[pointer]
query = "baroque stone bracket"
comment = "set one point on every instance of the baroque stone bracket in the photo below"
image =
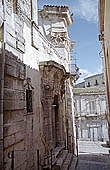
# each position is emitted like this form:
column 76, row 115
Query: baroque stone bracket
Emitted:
column 53, row 79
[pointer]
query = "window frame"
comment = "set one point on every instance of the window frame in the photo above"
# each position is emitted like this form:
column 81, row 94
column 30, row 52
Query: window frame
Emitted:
column 28, row 87
column 29, row 100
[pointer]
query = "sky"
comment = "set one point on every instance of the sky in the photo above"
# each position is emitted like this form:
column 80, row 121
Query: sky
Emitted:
column 84, row 31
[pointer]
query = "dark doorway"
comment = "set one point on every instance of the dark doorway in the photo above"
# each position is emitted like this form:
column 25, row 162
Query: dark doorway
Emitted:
column 55, row 120
column 67, row 134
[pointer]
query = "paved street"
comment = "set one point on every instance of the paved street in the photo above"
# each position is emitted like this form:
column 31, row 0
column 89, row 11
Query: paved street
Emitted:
column 92, row 156
column 92, row 147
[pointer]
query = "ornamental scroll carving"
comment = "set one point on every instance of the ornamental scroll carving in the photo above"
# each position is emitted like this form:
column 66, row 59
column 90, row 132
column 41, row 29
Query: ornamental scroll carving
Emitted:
column 60, row 39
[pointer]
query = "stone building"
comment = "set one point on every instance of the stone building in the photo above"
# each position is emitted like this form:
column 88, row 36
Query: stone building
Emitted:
column 90, row 109
column 36, row 82
column 96, row 80
column 104, row 37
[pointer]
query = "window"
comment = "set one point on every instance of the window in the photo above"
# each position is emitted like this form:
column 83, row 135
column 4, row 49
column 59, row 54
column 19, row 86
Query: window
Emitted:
column 29, row 95
column 88, row 85
column 96, row 82
column 29, row 107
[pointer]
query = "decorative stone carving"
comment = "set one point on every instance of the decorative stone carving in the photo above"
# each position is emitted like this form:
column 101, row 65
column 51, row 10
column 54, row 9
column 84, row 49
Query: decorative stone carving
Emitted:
column 1, row 14
column 51, row 82
column 62, row 91
column 24, row 8
column 52, row 86
column 9, row 7
column 59, row 39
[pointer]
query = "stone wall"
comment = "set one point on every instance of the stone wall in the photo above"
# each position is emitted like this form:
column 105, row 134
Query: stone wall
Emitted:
column 14, row 109
column 27, row 130
column 35, row 139
column 23, row 131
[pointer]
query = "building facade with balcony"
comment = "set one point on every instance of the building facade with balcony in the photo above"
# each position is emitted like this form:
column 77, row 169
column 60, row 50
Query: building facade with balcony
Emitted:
column 96, row 80
column 90, row 109
column 36, row 82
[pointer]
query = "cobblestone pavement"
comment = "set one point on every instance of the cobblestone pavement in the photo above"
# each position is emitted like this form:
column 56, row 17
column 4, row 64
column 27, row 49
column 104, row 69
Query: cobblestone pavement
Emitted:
column 92, row 156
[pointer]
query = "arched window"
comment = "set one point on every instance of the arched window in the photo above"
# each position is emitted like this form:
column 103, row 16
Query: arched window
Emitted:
column 29, row 95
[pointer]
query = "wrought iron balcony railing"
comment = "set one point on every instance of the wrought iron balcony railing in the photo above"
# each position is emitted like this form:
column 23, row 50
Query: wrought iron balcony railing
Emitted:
column 74, row 69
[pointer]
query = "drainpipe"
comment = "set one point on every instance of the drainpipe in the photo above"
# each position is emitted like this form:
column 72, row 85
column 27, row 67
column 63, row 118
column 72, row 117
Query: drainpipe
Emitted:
column 2, row 83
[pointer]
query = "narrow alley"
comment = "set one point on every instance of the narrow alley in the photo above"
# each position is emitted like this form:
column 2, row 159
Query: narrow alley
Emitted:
column 54, row 85
column 93, row 156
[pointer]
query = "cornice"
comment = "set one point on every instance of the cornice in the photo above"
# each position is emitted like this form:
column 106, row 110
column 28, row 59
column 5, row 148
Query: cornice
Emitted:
column 89, row 91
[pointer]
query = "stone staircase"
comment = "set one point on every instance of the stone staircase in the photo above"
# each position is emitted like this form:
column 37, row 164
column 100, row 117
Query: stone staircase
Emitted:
column 61, row 160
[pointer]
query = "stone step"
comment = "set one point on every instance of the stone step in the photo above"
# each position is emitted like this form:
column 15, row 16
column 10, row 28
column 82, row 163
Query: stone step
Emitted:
column 55, row 154
column 67, row 162
column 60, row 160
column 57, row 151
column 74, row 163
